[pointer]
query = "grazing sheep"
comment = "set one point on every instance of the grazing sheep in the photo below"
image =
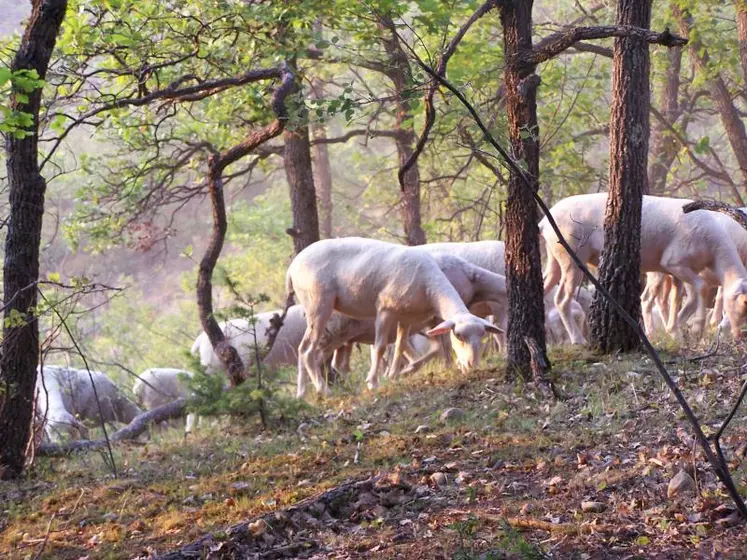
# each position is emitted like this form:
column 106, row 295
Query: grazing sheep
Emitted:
column 65, row 395
column 364, row 278
column 159, row 386
column 679, row 244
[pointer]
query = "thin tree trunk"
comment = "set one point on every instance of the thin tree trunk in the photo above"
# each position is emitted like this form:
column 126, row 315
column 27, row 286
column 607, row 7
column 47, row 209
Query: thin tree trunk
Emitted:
column 399, row 72
column 730, row 119
column 300, row 175
column 216, row 165
column 742, row 34
column 620, row 263
column 322, row 169
column 526, row 317
column 20, row 349
column 664, row 146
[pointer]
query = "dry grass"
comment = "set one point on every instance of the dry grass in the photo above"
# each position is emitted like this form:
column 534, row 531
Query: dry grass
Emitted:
column 618, row 439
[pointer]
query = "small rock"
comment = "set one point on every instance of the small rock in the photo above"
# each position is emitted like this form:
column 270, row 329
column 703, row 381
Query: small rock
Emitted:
column 593, row 507
column 439, row 479
column 422, row 429
column 680, row 484
column 452, row 414
column 303, row 426
column 257, row 528
column 111, row 516
column 240, row 487
column 384, row 433
column 526, row 509
column 462, row 477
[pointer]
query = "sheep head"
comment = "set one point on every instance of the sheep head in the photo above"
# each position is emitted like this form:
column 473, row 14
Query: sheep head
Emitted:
column 735, row 306
column 466, row 332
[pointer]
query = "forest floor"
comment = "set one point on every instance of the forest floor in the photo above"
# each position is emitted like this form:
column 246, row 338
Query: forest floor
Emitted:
column 507, row 475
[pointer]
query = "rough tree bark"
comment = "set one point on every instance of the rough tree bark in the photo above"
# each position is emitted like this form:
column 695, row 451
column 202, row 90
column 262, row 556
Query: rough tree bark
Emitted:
column 728, row 112
column 664, row 146
column 216, row 165
column 20, row 349
column 400, row 74
column 526, row 317
column 620, row 263
column 742, row 35
column 322, row 168
column 298, row 171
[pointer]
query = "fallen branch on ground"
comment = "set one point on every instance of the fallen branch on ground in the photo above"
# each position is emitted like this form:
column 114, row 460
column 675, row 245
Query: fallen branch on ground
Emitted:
column 139, row 424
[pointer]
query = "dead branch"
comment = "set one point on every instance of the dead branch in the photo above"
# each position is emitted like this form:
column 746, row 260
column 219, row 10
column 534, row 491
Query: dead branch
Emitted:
column 714, row 206
column 139, row 424
column 556, row 43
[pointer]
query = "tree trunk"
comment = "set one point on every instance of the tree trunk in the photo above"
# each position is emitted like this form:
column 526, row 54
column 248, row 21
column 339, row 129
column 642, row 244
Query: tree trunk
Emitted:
column 742, row 34
column 664, row 146
column 20, row 348
column 300, row 175
column 730, row 119
column 322, row 169
column 526, row 317
column 399, row 72
column 620, row 263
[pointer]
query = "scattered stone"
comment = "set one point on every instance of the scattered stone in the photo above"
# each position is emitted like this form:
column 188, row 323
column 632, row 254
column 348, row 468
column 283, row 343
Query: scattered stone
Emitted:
column 384, row 433
column 526, row 509
column 680, row 484
column 439, row 479
column 257, row 528
column 240, row 487
column 462, row 477
column 303, row 427
column 593, row 507
column 422, row 429
column 452, row 414
column 111, row 516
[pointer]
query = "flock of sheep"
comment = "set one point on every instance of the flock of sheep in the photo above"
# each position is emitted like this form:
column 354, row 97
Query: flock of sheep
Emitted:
column 356, row 290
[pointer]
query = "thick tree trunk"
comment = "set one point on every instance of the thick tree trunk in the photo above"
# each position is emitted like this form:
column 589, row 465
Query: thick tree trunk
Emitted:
column 300, row 175
column 730, row 119
column 526, row 317
column 322, row 169
column 664, row 146
column 619, row 270
column 20, row 348
column 399, row 72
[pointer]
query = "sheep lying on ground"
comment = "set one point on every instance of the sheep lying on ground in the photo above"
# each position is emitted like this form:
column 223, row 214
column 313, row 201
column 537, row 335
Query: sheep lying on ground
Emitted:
column 65, row 396
column 159, row 386
column 398, row 286
column 673, row 242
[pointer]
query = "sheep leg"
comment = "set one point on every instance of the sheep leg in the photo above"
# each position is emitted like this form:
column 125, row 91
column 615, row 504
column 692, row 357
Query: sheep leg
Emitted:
column 718, row 308
column 647, row 303
column 384, row 325
column 552, row 274
column 569, row 282
column 310, row 351
column 403, row 333
column 341, row 358
column 693, row 285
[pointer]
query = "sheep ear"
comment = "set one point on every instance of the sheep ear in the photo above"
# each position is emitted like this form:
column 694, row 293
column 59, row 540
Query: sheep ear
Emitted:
column 441, row 328
column 490, row 327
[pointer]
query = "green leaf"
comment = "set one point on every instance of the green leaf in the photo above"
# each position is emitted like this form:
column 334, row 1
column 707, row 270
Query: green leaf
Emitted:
column 54, row 277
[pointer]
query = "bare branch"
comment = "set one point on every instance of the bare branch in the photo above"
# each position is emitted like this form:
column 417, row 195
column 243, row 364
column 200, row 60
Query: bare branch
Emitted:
column 556, row 43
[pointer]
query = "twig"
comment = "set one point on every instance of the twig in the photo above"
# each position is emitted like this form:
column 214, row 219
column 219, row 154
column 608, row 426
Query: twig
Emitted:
column 46, row 537
column 719, row 465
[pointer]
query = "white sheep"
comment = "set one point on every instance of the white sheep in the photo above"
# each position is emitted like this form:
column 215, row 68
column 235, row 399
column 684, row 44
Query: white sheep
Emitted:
column 364, row 278
column 159, row 386
column 673, row 242
column 65, row 396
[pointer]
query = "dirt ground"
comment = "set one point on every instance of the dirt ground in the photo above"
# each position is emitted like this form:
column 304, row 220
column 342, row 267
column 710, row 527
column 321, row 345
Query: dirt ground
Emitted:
column 435, row 466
